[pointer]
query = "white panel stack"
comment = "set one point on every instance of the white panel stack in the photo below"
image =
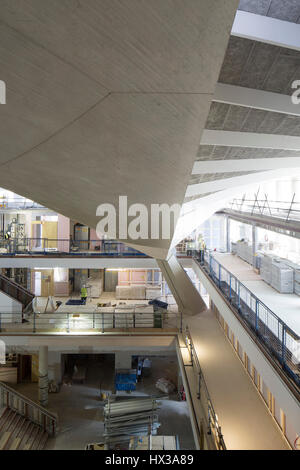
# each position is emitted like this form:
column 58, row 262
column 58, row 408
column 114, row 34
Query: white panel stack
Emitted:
column 297, row 281
column 244, row 251
column 234, row 248
column 123, row 317
column 144, row 316
column 266, row 268
column 153, row 292
column 282, row 278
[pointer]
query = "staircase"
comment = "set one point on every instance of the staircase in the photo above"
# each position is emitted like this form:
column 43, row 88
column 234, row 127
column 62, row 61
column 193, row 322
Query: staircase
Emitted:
column 19, row 433
column 17, row 292
column 24, row 424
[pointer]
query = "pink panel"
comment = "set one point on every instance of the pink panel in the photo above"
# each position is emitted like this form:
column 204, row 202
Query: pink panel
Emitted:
column 123, row 277
column 63, row 233
column 138, row 277
column 93, row 236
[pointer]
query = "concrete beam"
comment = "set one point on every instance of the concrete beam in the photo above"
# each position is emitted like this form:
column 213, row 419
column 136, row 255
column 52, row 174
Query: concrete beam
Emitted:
column 250, row 139
column 237, row 182
column 32, row 262
column 251, row 164
column 258, row 99
column 266, row 29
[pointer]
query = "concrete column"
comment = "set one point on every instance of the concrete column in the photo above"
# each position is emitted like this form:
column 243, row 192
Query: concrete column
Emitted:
column 227, row 226
column 123, row 360
column 54, row 367
column 43, row 375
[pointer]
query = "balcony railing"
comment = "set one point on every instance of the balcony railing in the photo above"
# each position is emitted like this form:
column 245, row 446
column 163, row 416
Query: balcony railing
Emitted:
column 96, row 322
column 66, row 247
column 280, row 340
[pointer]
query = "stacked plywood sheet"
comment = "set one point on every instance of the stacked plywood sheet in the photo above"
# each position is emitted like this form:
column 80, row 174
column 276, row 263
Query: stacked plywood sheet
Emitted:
column 135, row 417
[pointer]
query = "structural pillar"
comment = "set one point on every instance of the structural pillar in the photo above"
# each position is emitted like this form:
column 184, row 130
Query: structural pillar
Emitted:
column 43, row 375
column 123, row 360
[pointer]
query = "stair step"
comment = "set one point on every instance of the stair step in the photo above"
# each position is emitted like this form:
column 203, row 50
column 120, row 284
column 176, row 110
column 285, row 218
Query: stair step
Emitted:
column 30, row 442
column 4, row 440
column 43, row 441
column 27, row 433
column 3, row 417
column 16, row 444
column 19, row 433
column 37, row 440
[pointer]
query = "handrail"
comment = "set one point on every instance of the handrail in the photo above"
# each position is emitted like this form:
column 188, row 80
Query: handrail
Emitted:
column 15, row 290
column 11, row 282
column 66, row 246
column 91, row 320
column 272, row 332
column 50, row 427
column 212, row 416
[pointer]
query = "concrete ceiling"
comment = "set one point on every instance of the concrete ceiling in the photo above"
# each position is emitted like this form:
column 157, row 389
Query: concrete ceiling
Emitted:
column 107, row 98
column 252, row 132
column 287, row 10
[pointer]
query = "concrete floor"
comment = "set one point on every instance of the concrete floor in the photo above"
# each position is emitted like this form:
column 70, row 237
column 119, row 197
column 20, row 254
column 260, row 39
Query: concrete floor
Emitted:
column 80, row 410
column 245, row 421
column 285, row 306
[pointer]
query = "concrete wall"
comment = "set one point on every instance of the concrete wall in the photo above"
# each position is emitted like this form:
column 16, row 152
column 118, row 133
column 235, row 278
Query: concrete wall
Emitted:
column 186, row 295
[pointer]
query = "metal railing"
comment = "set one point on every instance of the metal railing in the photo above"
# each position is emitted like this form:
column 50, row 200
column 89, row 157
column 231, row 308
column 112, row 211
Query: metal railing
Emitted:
column 18, row 203
column 16, row 291
column 32, row 411
column 98, row 322
column 287, row 210
column 280, row 340
column 66, row 247
column 214, row 427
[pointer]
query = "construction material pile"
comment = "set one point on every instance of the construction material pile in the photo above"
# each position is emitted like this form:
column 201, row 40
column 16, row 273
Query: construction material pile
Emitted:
column 130, row 417
column 165, row 385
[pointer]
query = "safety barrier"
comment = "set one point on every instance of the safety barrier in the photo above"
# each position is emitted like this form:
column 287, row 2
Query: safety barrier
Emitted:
column 280, row 340
column 66, row 247
column 99, row 322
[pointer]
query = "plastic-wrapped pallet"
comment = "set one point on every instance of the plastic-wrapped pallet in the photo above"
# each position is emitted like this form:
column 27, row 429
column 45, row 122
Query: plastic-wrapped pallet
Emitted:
column 124, row 317
column 108, row 320
column 130, row 292
column 123, row 292
column 282, row 278
column 266, row 268
column 297, row 288
column 233, row 248
column 153, row 292
column 138, row 292
column 144, row 316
